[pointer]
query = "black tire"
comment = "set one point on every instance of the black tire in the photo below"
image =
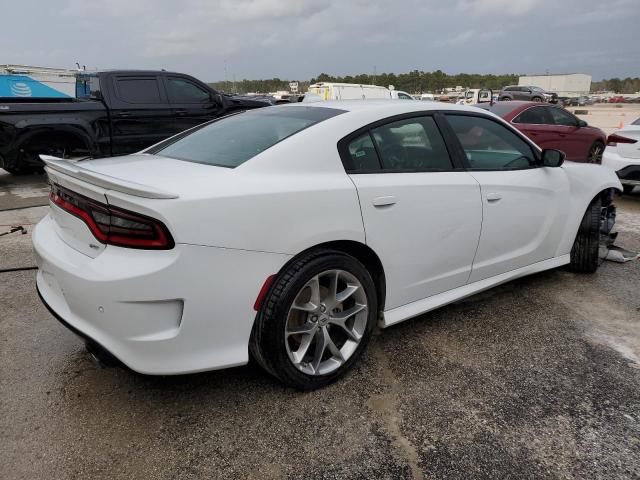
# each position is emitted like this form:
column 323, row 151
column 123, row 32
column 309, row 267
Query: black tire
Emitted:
column 505, row 99
column 627, row 189
column 595, row 153
column 19, row 170
column 267, row 342
column 537, row 99
column 584, row 253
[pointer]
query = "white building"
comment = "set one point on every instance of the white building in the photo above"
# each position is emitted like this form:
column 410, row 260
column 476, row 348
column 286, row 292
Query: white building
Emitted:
column 568, row 85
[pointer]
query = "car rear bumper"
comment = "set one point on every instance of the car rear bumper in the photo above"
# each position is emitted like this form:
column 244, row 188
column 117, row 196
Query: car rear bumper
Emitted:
column 627, row 169
column 176, row 311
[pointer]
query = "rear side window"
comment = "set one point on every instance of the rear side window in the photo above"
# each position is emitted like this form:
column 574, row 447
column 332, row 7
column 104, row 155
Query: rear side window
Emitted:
column 231, row 141
column 181, row 90
column 489, row 145
column 534, row 115
column 561, row 117
column 413, row 144
column 363, row 154
column 138, row 89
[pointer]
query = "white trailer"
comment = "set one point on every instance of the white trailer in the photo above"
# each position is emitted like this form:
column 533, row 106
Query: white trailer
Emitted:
column 345, row 91
column 569, row 85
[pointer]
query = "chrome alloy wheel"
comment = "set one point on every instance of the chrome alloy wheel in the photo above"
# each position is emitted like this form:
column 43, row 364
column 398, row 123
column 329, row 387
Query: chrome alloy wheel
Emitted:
column 326, row 322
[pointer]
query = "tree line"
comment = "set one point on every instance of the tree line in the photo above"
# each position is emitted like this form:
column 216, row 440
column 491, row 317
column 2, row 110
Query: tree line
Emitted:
column 618, row 85
column 415, row 81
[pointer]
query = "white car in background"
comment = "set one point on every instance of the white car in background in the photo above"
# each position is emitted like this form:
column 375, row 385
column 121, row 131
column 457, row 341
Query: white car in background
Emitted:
column 622, row 155
column 290, row 231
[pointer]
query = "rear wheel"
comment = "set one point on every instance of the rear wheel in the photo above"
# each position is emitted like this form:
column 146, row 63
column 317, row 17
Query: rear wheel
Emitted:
column 316, row 321
column 505, row 99
column 595, row 153
column 627, row 189
column 584, row 254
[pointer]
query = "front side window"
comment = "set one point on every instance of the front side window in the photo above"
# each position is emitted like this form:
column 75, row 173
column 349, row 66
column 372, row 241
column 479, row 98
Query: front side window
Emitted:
column 138, row 89
column 404, row 96
column 413, row 144
column 561, row 117
column 184, row 91
column 534, row 115
column 231, row 141
column 489, row 145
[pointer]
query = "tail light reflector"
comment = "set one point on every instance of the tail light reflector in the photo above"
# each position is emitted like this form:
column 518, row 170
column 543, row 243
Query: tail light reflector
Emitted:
column 614, row 139
column 112, row 225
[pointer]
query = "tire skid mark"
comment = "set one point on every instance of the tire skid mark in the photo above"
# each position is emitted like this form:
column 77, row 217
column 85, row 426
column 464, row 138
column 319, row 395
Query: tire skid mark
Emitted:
column 385, row 404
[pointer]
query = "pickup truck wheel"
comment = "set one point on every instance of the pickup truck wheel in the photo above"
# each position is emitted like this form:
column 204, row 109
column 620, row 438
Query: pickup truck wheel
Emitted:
column 584, row 254
column 19, row 170
column 627, row 189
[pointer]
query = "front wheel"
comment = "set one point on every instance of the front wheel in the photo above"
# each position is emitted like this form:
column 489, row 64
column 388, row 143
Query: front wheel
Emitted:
column 316, row 321
column 627, row 189
column 537, row 99
column 584, row 253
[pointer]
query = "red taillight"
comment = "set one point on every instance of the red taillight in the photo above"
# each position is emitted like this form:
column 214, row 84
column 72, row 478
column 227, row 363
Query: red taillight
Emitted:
column 614, row 139
column 263, row 292
column 112, row 225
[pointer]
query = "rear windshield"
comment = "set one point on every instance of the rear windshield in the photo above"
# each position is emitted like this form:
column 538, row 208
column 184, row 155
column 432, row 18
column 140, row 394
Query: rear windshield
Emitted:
column 233, row 140
column 499, row 108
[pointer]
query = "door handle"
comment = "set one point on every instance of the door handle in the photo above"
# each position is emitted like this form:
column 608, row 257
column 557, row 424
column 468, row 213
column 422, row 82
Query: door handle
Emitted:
column 384, row 201
column 124, row 114
column 493, row 197
column 180, row 112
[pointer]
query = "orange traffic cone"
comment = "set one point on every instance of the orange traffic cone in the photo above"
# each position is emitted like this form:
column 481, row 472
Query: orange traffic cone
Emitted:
column 621, row 125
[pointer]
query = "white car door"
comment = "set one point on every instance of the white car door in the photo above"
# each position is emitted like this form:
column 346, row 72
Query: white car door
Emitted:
column 524, row 205
column 421, row 215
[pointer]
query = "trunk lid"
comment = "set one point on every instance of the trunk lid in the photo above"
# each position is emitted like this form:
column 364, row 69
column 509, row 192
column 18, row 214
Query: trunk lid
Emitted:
column 141, row 183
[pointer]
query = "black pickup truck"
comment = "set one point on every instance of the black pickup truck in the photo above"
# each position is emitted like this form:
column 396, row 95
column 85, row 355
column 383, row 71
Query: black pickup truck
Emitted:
column 116, row 112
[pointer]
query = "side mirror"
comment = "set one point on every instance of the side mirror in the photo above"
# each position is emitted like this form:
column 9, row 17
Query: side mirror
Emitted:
column 217, row 99
column 582, row 123
column 552, row 158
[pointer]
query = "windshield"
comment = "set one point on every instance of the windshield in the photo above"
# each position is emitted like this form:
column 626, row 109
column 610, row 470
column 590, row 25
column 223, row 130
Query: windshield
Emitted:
column 231, row 141
column 537, row 89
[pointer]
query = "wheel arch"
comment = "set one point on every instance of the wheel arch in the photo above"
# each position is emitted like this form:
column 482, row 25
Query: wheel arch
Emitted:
column 358, row 250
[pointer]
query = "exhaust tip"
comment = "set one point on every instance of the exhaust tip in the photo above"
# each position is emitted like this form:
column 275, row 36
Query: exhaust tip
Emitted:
column 100, row 356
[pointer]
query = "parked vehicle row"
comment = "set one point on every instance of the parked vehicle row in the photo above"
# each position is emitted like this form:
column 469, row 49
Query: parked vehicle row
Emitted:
column 116, row 112
column 367, row 211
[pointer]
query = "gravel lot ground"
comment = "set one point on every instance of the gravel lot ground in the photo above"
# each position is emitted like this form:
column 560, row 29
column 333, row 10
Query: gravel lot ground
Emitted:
column 539, row 378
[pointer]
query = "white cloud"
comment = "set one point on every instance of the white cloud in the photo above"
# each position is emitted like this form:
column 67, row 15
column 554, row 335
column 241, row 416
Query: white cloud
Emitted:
column 468, row 36
column 493, row 7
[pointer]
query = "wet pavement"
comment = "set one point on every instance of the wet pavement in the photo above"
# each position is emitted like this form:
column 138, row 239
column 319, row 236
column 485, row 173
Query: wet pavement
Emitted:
column 538, row 378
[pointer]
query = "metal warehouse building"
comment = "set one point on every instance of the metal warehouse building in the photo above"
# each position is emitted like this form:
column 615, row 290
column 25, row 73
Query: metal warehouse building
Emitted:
column 566, row 84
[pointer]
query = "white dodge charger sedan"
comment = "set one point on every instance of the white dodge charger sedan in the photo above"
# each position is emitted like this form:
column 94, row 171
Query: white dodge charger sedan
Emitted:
column 289, row 231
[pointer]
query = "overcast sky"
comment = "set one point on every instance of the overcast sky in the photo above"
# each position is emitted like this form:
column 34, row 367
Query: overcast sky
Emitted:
column 296, row 39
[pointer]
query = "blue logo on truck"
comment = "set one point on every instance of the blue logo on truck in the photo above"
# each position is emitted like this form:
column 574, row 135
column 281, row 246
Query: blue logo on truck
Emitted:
column 25, row 86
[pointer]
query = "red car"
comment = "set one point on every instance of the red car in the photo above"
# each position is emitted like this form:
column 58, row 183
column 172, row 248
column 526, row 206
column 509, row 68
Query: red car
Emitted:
column 551, row 126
